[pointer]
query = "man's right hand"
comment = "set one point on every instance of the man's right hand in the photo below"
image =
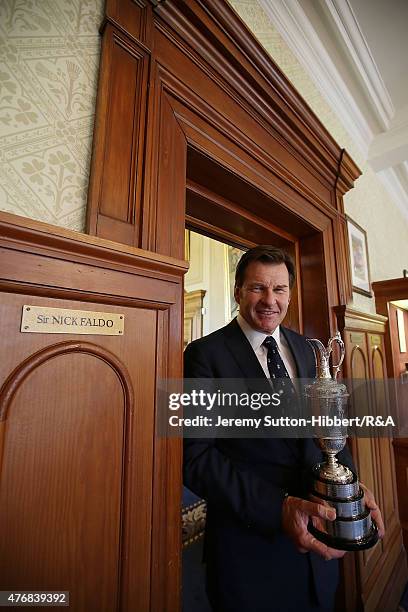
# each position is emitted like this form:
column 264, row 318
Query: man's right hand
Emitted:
column 296, row 513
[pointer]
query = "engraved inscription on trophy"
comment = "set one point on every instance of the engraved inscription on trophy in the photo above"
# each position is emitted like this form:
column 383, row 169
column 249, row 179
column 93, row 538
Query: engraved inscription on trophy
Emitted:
column 333, row 483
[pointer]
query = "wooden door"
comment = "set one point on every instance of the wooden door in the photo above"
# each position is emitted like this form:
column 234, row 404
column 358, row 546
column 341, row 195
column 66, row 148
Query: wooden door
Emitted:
column 378, row 577
column 80, row 461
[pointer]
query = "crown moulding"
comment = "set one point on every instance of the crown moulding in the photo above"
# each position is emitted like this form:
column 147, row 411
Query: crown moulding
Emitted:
column 220, row 40
column 348, row 173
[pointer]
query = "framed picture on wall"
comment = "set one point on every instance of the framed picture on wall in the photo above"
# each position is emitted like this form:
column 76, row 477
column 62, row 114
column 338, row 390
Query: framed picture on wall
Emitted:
column 360, row 272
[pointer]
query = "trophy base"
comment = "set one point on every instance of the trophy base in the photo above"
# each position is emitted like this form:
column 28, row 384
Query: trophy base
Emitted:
column 363, row 543
column 353, row 529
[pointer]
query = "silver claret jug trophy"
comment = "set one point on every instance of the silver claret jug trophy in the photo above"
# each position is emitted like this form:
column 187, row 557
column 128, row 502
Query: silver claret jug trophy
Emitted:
column 334, row 483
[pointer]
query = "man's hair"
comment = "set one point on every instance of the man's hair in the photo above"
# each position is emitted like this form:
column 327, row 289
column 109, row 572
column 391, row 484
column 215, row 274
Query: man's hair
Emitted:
column 265, row 254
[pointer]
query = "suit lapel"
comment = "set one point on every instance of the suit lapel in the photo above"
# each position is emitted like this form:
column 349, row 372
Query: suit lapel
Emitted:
column 242, row 351
column 300, row 353
column 246, row 359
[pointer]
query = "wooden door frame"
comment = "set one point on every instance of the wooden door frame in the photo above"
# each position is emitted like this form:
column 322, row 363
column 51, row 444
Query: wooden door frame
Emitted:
column 191, row 109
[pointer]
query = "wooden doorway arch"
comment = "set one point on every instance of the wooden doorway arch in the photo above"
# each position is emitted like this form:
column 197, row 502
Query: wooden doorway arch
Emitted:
column 195, row 123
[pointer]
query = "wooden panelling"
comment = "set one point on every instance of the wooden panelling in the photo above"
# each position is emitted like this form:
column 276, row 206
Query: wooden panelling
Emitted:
column 65, row 444
column 365, row 359
column 171, row 185
column 76, row 425
column 217, row 41
column 230, row 143
column 385, row 292
column 218, row 109
column 116, row 178
column 192, row 115
column 392, row 289
column 207, row 205
column 314, row 288
column 80, row 461
column 251, row 164
column 252, row 188
column 133, row 16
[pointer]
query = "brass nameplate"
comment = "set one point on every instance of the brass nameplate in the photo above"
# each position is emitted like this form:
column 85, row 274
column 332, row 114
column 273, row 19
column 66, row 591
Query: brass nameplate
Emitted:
column 357, row 338
column 44, row 320
column 375, row 340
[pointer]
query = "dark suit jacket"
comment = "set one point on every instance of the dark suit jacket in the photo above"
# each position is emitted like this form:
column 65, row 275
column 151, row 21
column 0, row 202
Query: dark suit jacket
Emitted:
column 251, row 564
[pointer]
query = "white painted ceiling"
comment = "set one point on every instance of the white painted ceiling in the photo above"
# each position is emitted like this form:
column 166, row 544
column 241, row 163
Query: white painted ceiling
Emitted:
column 384, row 25
column 356, row 51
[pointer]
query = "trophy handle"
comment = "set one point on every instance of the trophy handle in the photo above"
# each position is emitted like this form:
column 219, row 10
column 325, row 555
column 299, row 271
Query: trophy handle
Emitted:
column 336, row 338
column 321, row 357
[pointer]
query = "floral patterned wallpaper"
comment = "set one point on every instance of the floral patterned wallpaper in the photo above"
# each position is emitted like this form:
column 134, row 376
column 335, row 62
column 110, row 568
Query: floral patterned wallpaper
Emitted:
column 49, row 59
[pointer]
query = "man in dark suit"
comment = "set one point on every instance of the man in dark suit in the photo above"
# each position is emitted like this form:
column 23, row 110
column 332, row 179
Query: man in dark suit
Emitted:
column 260, row 556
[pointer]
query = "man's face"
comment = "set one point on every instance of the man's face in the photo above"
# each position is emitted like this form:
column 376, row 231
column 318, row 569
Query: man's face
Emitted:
column 264, row 295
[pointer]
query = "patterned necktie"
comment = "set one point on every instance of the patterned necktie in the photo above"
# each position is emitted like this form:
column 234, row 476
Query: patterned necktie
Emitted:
column 284, row 385
column 276, row 367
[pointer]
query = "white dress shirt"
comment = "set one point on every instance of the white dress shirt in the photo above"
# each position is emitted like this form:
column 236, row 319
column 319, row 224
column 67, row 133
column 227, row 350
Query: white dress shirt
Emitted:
column 256, row 338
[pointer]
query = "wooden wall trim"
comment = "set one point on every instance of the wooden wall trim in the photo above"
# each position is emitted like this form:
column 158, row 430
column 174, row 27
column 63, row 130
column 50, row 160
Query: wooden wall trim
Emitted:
column 42, row 238
column 209, row 197
column 170, row 185
column 218, row 36
column 342, row 255
column 397, row 358
column 166, row 530
column 200, row 122
column 114, row 198
column 209, row 86
column 132, row 18
column 393, row 289
column 347, row 173
column 53, row 278
column 359, row 320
